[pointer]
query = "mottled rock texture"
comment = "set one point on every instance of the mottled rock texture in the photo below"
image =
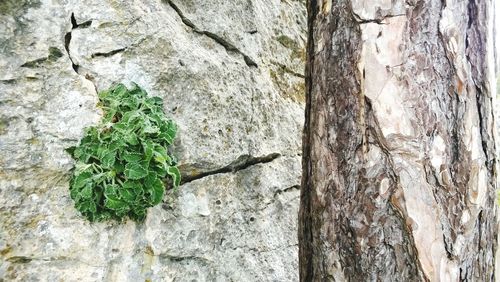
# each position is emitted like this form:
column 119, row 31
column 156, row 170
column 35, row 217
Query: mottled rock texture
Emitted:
column 231, row 76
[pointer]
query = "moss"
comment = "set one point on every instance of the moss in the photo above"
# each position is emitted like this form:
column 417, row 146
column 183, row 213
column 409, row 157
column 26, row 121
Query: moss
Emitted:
column 299, row 92
column 33, row 141
column 32, row 223
column 148, row 261
column 34, row 63
column 298, row 52
column 54, row 54
column 6, row 251
column 106, row 25
column 3, row 126
column 293, row 91
column 290, row 82
column 286, row 41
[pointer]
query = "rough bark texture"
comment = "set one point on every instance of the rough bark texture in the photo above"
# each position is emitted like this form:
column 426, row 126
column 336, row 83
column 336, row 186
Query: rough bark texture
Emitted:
column 398, row 151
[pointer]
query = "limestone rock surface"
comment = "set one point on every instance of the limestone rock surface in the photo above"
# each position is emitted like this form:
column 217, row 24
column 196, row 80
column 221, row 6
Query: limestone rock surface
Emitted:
column 231, row 76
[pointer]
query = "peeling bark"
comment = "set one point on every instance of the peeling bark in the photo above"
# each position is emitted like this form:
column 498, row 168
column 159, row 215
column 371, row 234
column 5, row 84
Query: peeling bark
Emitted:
column 398, row 150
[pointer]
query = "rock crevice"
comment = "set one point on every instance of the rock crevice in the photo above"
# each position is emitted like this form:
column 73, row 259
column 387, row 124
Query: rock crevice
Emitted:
column 224, row 43
column 237, row 145
column 243, row 162
column 67, row 42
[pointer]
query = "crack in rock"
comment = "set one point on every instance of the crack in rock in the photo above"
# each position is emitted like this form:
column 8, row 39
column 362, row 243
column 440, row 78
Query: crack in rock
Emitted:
column 286, row 69
column 274, row 198
column 8, row 81
column 288, row 189
column 67, row 42
column 175, row 258
column 108, row 54
column 264, row 250
column 119, row 50
column 26, row 259
column 54, row 55
column 19, row 259
column 228, row 46
column 241, row 163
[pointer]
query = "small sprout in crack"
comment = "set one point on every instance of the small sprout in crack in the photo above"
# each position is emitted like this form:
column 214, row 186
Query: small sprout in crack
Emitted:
column 122, row 162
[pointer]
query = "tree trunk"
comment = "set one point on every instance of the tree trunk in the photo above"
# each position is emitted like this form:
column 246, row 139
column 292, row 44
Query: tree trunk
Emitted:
column 399, row 159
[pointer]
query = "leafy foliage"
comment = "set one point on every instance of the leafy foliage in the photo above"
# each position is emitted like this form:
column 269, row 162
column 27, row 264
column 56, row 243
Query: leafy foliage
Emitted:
column 121, row 163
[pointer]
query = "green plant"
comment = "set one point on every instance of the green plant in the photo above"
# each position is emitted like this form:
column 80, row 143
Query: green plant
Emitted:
column 121, row 163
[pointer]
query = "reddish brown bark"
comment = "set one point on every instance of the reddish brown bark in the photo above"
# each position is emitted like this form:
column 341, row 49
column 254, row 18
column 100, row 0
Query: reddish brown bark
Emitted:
column 398, row 149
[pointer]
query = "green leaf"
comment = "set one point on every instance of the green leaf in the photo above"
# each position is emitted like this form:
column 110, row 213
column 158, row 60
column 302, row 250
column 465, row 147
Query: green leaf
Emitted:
column 115, row 145
column 77, row 153
column 158, row 189
column 137, row 91
column 131, row 139
column 130, row 190
column 130, row 116
column 111, row 191
column 150, row 178
column 81, row 180
column 114, row 174
column 119, row 91
column 135, row 171
column 121, row 127
column 109, row 116
column 132, row 157
column 103, row 95
column 119, row 167
column 128, row 195
column 102, row 215
column 115, row 204
column 157, row 101
column 155, row 187
column 130, row 103
column 174, row 172
column 148, row 150
column 161, row 155
column 160, row 170
column 133, row 185
column 108, row 159
column 149, row 128
column 168, row 132
column 74, row 194
column 88, row 206
column 92, row 207
column 82, row 154
column 86, row 192
column 89, row 150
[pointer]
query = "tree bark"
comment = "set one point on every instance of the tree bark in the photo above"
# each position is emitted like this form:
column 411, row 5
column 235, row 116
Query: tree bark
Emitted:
column 399, row 161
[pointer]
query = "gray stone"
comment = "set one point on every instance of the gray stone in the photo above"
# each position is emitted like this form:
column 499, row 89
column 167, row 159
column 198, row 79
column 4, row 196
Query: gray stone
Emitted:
column 231, row 76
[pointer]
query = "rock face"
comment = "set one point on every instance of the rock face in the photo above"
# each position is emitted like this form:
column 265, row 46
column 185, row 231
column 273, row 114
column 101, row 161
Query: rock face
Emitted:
column 400, row 177
column 231, row 76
